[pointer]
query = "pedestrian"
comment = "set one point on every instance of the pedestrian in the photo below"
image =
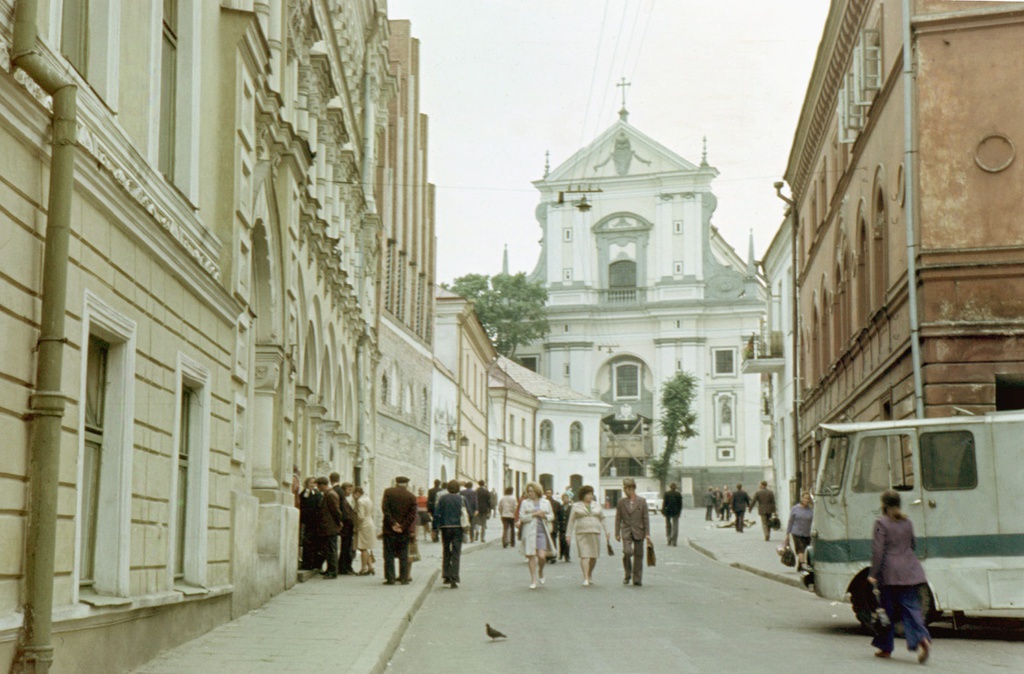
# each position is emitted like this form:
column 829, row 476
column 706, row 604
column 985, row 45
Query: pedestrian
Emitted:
column 586, row 522
column 709, row 503
column 432, row 495
column 348, row 524
column 484, row 504
column 328, row 526
column 764, row 501
column 568, row 491
column 897, row 574
column 309, row 507
column 799, row 527
column 719, row 502
column 633, row 528
column 398, row 506
column 556, row 510
column 422, row 513
column 740, row 503
column 535, row 516
column 562, row 524
column 448, row 520
column 672, row 508
column 726, row 503
column 469, row 494
column 366, row 534
column 507, row 512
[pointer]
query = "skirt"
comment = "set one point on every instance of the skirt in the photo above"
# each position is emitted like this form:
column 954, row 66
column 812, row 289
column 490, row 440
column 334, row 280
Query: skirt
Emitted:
column 588, row 545
column 365, row 538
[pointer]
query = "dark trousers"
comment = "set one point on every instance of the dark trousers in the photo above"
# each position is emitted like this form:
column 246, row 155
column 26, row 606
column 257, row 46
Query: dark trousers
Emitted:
column 766, row 526
column 508, row 532
column 672, row 529
column 480, row 526
column 346, row 556
column 563, row 546
column 329, row 551
column 311, row 558
column 396, row 546
column 739, row 520
column 451, row 553
column 633, row 559
column 707, row 515
column 909, row 601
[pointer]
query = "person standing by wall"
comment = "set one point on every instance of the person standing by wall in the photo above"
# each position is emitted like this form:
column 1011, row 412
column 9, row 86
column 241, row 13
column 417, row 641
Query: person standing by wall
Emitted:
column 399, row 525
column 740, row 503
column 507, row 512
column 633, row 528
column 897, row 573
column 432, row 496
column 672, row 508
column 366, row 534
column 709, row 504
column 309, row 508
column 348, row 524
column 764, row 501
column 328, row 526
column 483, row 510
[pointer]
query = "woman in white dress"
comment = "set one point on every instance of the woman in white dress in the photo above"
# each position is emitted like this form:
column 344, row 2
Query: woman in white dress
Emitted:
column 586, row 522
column 535, row 516
column 365, row 535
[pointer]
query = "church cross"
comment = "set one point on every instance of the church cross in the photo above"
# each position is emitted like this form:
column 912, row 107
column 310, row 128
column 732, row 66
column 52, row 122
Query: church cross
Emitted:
column 623, row 84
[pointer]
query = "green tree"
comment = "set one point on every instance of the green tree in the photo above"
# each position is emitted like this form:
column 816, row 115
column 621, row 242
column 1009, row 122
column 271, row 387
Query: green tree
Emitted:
column 678, row 420
column 510, row 308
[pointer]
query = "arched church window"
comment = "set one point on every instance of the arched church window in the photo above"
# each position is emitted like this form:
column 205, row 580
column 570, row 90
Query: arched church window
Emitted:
column 576, row 437
column 547, row 431
column 622, row 274
column 627, row 381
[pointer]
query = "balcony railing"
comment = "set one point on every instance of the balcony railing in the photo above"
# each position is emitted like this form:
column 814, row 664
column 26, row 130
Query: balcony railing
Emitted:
column 624, row 296
column 764, row 353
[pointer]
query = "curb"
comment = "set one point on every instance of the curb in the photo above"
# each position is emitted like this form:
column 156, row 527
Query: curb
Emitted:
column 778, row 578
column 391, row 646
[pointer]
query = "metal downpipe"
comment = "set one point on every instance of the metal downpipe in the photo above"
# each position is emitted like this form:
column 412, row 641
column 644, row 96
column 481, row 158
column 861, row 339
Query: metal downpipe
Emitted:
column 910, row 216
column 34, row 654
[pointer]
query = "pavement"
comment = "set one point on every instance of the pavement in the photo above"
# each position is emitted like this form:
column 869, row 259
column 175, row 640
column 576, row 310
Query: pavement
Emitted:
column 292, row 632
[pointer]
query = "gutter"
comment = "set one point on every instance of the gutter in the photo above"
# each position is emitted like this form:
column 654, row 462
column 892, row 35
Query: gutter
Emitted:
column 910, row 215
column 34, row 653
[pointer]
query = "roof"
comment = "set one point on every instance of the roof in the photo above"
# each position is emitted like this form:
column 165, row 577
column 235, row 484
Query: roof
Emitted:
column 538, row 385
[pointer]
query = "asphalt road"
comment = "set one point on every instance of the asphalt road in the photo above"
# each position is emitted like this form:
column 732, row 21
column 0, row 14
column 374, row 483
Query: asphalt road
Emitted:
column 692, row 615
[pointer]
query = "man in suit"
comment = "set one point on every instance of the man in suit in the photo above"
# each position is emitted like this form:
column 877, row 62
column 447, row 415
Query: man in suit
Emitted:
column 556, row 509
column 348, row 524
column 399, row 508
column 432, row 495
column 483, row 508
column 764, row 501
column 309, row 511
column 328, row 526
column 469, row 494
column 671, row 508
column 740, row 503
column 633, row 528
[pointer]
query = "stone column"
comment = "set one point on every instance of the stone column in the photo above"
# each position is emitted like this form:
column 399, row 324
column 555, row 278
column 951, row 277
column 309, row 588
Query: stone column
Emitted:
column 267, row 383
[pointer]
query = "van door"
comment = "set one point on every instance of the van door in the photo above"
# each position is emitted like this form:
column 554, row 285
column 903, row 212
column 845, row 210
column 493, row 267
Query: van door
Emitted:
column 881, row 460
column 960, row 517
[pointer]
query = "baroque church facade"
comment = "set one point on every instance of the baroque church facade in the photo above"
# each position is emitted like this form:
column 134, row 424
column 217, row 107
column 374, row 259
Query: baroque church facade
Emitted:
column 641, row 286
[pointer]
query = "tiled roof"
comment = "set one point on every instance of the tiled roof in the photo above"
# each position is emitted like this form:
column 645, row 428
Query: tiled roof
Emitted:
column 535, row 384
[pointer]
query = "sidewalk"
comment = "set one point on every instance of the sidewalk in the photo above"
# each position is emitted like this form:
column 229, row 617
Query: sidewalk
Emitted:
column 747, row 551
column 352, row 622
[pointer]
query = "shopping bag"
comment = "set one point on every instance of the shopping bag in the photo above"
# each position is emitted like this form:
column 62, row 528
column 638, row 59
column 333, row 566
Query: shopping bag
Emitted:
column 651, row 559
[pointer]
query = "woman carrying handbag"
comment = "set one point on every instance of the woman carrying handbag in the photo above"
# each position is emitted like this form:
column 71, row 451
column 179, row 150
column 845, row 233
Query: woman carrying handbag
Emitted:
column 534, row 515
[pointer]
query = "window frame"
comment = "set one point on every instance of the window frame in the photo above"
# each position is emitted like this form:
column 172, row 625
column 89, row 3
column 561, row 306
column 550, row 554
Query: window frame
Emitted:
column 715, row 372
column 615, row 380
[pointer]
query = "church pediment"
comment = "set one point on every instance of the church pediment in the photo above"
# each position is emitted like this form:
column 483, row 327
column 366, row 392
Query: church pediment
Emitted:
column 621, row 151
column 621, row 222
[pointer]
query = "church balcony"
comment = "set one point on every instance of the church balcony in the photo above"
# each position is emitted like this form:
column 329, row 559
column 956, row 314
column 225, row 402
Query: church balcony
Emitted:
column 623, row 296
column 763, row 354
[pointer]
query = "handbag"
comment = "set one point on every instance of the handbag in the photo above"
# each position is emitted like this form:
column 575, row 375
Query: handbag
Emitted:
column 774, row 523
column 464, row 518
column 651, row 559
column 788, row 556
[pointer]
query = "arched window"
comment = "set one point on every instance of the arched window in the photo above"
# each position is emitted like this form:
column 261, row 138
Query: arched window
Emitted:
column 863, row 298
column 547, row 481
column 815, row 350
column 384, row 390
column 576, row 437
column 837, row 312
column 627, row 381
column 826, row 336
column 622, row 274
column 879, row 263
column 547, row 432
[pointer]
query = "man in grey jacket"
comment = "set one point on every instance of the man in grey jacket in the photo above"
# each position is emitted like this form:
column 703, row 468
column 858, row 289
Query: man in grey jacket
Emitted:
column 633, row 528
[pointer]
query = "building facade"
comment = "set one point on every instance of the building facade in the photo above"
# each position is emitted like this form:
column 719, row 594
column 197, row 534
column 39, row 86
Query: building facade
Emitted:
column 221, row 330
column 640, row 286
column 908, row 196
column 406, row 370
column 513, row 423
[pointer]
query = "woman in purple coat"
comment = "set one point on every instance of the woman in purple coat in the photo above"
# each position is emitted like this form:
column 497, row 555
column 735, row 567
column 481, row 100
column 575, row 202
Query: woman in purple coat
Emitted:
column 896, row 572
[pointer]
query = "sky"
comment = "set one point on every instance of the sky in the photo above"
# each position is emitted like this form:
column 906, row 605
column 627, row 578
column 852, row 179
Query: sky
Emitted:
column 505, row 81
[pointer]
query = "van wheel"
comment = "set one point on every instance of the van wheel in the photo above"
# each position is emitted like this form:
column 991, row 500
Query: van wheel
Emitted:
column 928, row 610
column 863, row 601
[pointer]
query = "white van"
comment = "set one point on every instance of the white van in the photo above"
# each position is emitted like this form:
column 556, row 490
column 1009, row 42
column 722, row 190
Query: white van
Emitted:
column 962, row 484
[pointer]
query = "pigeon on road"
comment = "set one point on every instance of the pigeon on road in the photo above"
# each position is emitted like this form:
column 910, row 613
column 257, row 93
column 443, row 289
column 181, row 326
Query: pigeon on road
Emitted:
column 493, row 633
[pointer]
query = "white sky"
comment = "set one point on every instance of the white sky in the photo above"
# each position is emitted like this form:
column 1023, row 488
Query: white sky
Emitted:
column 502, row 81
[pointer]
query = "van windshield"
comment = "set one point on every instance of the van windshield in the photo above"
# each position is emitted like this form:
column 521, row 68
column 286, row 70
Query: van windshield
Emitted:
column 835, row 463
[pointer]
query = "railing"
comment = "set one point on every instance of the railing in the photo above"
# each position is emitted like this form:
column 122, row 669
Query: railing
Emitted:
column 624, row 296
column 765, row 345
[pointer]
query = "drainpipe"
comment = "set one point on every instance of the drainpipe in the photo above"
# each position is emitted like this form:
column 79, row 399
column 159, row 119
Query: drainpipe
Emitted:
column 794, row 261
column 360, row 409
column 910, row 197
column 46, row 404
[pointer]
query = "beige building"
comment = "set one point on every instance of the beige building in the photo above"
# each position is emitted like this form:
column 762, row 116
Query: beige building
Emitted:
column 220, row 324
column 463, row 350
column 407, row 278
column 906, row 169
column 513, row 424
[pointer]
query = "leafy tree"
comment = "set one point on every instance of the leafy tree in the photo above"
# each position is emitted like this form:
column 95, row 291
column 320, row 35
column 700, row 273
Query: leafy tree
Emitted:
column 510, row 308
column 678, row 420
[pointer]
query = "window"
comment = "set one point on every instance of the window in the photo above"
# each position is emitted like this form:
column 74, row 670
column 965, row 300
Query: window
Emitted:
column 384, row 390
column 677, row 268
column 186, row 436
column 622, row 274
column 566, row 369
column 95, row 405
column 627, row 381
column 835, row 464
column 724, row 404
column 547, row 432
column 883, row 462
column 576, row 437
column 677, row 227
column 947, row 461
column 529, row 362
column 522, row 431
column 879, row 262
column 511, row 428
column 567, row 234
column 726, row 454
column 168, row 88
column 190, row 481
column 725, row 361
column 74, row 34
column 567, row 274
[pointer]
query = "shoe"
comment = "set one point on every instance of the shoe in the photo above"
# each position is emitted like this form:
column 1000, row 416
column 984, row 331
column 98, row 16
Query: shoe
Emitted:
column 388, row 582
column 625, row 581
column 533, row 586
column 636, row 584
column 329, row 575
column 923, row 651
column 586, row 583
column 406, row 582
column 454, row 586
column 883, row 654
column 542, row 580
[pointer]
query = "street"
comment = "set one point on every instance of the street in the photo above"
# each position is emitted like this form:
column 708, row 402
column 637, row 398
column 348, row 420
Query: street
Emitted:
column 692, row 614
